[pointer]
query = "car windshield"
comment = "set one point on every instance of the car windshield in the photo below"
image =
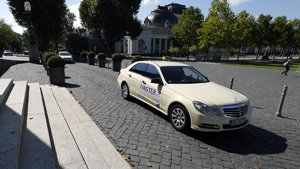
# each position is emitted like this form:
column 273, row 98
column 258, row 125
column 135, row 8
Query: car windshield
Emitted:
column 182, row 75
column 64, row 54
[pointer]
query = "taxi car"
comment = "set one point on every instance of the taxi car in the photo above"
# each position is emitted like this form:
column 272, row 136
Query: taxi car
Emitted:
column 186, row 96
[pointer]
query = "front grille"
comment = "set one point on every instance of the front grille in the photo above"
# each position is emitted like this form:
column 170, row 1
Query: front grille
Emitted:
column 236, row 110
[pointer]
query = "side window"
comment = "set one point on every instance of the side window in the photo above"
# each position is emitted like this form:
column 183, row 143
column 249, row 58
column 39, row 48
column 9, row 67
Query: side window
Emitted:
column 189, row 73
column 140, row 68
column 152, row 72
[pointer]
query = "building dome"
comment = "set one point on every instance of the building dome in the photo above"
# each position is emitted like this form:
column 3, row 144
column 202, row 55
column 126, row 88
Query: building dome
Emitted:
column 161, row 17
column 175, row 8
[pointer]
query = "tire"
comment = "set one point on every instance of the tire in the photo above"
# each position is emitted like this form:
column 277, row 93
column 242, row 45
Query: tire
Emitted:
column 125, row 91
column 179, row 117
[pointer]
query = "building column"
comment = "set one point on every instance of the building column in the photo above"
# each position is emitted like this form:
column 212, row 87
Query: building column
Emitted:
column 166, row 46
column 159, row 49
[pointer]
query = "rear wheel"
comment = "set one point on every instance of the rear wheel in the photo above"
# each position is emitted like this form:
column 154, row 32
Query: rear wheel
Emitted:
column 179, row 117
column 125, row 91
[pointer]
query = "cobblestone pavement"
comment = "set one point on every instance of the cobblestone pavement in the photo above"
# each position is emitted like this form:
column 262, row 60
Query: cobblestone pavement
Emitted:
column 150, row 140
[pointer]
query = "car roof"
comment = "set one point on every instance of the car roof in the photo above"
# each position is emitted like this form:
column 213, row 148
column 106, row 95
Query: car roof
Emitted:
column 165, row 63
column 63, row 52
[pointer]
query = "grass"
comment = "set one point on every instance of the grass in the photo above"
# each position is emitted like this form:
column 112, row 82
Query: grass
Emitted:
column 266, row 65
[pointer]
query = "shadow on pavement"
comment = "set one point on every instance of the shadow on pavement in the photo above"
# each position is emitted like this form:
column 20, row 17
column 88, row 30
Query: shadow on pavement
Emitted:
column 69, row 85
column 249, row 140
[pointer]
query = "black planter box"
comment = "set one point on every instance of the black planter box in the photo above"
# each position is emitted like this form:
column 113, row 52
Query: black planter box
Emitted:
column 57, row 75
column 91, row 61
column 83, row 59
column 101, row 63
column 116, row 66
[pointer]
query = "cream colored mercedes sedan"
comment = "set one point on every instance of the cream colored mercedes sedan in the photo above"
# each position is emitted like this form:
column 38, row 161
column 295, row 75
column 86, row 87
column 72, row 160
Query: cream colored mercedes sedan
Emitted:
column 186, row 96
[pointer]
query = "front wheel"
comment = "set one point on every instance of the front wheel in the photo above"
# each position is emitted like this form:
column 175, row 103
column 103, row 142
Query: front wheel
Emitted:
column 125, row 91
column 179, row 117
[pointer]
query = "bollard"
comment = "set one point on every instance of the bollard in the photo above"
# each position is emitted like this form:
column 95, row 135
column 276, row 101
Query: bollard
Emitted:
column 126, row 64
column 231, row 83
column 278, row 113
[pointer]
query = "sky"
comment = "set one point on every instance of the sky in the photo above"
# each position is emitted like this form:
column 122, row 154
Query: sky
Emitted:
column 289, row 8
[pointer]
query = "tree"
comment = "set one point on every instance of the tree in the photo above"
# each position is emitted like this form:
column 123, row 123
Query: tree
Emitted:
column 7, row 36
column 69, row 21
column 263, row 32
column 47, row 17
column 295, row 42
column 243, row 31
column 111, row 20
column 76, row 44
column 185, row 30
column 283, row 32
column 217, row 29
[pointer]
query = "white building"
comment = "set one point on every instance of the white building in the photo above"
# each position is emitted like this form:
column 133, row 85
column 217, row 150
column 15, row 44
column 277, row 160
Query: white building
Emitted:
column 156, row 36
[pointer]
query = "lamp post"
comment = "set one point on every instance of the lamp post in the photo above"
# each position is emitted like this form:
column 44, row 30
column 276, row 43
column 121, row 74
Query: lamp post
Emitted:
column 33, row 48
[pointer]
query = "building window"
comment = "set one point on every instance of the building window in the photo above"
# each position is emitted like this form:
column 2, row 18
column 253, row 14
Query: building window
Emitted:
column 156, row 46
column 152, row 45
column 168, row 44
column 141, row 46
column 163, row 45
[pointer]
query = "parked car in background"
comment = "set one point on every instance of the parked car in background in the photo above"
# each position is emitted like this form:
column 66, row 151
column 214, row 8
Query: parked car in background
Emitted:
column 66, row 56
column 26, row 53
column 7, row 53
column 186, row 96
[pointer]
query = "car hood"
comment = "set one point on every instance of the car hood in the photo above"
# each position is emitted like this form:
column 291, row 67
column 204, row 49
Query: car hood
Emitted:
column 208, row 93
column 69, row 56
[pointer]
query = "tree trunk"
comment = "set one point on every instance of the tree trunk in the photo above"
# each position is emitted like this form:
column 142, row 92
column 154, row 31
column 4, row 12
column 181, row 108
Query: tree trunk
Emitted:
column 238, row 54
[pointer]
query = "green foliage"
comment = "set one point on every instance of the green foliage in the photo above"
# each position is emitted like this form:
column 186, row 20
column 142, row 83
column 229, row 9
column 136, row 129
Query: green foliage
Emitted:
column 194, row 49
column 47, row 18
column 91, row 55
column 117, row 57
column 56, row 62
column 243, row 30
column 174, row 50
column 101, row 56
column 83, row 54
column 263, row 31
column 167, row 58
column 217, row 29
column 137, row 58
column 295, row 42
column 48, row 55
column 282, row 30
column 111, row 20
column 7, row 35
column 185, row 30
column 75, row 43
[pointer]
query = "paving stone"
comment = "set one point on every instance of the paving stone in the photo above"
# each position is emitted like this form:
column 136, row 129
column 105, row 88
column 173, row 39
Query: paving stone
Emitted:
column 268, row 138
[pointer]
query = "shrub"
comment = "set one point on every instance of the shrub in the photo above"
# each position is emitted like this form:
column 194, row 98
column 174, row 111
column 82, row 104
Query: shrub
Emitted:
column 166, row 58
column 137, row 58
column 91, row 55
column 117, row 57
column 56, row 62
column 101, row 56
column 47, row 55
column 83, row 54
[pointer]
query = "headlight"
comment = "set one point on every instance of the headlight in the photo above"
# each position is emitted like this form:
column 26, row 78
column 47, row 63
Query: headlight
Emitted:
column 203, row 108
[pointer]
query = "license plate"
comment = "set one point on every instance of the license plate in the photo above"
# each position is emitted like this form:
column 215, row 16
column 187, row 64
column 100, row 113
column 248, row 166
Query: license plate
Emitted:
column 237, row 122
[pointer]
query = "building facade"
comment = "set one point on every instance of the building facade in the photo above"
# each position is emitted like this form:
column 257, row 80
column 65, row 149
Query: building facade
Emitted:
column 155, row 38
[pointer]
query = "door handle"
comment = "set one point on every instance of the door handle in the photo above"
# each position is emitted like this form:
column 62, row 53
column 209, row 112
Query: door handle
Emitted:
column 143, row 82
column 129, row 75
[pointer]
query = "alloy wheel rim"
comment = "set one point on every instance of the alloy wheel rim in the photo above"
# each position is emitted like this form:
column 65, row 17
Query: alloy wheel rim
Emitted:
column 125, row 91
column 178, row 118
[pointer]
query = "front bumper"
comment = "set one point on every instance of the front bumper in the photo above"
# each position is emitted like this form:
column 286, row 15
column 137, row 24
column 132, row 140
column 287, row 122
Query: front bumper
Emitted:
column 202, row 122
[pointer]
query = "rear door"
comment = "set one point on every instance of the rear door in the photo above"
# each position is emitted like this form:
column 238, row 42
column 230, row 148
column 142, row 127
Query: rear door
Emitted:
column 136, row 75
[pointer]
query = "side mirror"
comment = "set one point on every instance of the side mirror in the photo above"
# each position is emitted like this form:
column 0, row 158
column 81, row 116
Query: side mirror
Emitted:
column 157, row 81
